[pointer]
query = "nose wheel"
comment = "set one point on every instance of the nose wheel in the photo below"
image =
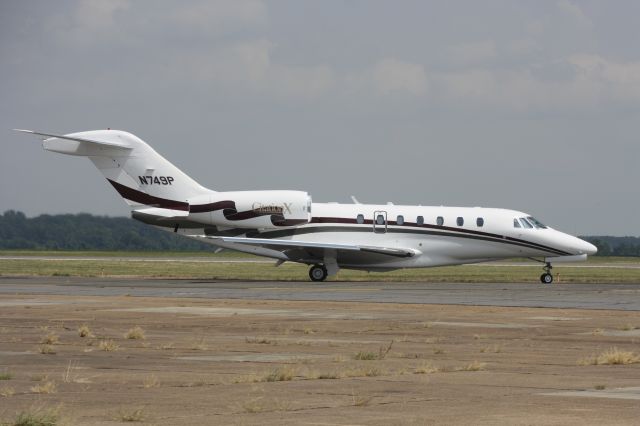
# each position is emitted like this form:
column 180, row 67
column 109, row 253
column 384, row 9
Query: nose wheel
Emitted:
column 546, row 278
column 318, row 273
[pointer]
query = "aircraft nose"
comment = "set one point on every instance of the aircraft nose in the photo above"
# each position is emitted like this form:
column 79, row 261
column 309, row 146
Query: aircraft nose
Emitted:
column 585, row 247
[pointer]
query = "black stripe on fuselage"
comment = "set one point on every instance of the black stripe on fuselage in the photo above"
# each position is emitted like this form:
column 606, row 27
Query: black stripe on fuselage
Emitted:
column 417, row 229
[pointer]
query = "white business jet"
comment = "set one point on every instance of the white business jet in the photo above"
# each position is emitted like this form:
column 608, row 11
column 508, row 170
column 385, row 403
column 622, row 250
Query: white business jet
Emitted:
column 287, row 226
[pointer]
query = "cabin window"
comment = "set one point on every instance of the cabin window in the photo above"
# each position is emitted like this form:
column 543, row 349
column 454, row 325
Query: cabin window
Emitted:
column 516, row 224
column 460, row 221
column 536, row 223
column 525, row 223
column 440, row 220
column 480, row 222
column 360, row 219
column 420, row 220
column 400, row 220
column 380, row 219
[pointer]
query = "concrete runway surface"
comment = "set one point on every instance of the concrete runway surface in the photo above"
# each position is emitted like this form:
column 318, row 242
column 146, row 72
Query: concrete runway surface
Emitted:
column 578, row 296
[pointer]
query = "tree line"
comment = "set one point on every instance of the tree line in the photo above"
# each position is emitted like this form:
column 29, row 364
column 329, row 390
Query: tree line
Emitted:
column 88, row 232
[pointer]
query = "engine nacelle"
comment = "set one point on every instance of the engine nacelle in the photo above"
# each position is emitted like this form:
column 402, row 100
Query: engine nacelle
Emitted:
column 252, row 209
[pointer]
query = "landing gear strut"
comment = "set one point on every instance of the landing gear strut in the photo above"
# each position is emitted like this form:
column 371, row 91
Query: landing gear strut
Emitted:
column 546, row 278
column 318, row 273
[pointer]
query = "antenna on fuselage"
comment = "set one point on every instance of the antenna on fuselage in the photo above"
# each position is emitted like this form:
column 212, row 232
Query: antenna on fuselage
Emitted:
column 355, row 200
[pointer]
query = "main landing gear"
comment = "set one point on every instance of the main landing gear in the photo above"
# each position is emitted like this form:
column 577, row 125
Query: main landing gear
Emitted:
column 318, row 273
column 546, row 278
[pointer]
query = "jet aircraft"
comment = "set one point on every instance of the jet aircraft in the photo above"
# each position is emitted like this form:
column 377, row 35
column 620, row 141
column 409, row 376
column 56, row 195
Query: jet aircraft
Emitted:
column 289, row 227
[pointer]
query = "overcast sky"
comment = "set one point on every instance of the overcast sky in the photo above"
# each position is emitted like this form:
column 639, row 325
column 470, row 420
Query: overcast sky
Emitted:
column 530, row 105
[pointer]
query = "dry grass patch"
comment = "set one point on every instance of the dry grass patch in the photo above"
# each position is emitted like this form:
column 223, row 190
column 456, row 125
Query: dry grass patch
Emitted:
column 85, row 331
column 151, row 382
column 612, row 356
column 628, row 327
column 7, row 391
column 38, row 417
column 135, row 415
column 360, row 400
column 50, row 339
column 282, row 374
column 46, row 350
column 474, row 366
column 261, row 340
column 199, row 345
column 45, row 388
column 597, row 332
column 71, row 376
column 135, row 333
column 599, row 387
column 108, row 345
column 426, row 368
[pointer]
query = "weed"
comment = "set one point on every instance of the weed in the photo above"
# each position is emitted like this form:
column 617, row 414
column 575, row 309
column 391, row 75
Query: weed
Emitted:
column 85, row 331
column 474, row 366
column 261, row 340
column 151, row 382
column 384, row 350
column 612, row 356
column 426, row 368
column 7, row 391
column 50, row 339
column 628, row 327
column 46, row 388
column 46, row 350
column 365, row 356
column 6, row 376
column 279, row 375
column 308, row 330
column 135, row 333
column 597, row 331
column 599, row 387
column 108, row 345
column 136, row 415
column 438, row 351
column 360, row 400
column 199, row 345
column 38, row 417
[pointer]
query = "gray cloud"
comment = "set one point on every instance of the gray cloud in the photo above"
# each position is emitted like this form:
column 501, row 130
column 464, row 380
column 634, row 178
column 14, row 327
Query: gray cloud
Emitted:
column 530, row 106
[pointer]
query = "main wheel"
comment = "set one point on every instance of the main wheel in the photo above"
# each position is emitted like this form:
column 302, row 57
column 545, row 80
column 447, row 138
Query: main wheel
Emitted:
column 318, row 273
column 546, row 278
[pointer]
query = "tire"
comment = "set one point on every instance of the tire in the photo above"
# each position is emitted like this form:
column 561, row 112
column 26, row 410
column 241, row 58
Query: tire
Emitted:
column 318, row 273
column 546, row 278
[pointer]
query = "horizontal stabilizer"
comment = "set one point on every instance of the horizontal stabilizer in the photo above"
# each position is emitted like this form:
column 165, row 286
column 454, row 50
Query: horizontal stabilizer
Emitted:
column 50, row 138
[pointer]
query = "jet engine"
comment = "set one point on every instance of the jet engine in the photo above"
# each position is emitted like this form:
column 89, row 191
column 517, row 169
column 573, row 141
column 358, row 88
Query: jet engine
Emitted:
column 251, row 209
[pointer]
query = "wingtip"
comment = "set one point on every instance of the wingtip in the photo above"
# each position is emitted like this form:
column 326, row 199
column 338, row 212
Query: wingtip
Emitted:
column 23, row 130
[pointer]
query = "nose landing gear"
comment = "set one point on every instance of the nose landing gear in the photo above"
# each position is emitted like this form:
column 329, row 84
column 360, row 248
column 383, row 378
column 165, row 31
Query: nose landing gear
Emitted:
column 546, row 278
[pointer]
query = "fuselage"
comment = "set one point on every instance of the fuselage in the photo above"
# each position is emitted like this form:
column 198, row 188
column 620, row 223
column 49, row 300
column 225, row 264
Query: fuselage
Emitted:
column 438, row 235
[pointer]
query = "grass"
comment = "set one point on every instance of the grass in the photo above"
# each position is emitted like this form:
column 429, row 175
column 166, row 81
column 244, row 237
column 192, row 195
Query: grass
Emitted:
column 474, row 366
column 7, row 391
column 50, row 339
column 282, row 374
column 612, row 356
column 135, row 415
column 44, row 388
column 135, row 333
column 85, row 331
column 6, row 376
column 426, row 368
column 108, row 345
column 183, row 268
column 151, row 382
column 46, row 350
column 38, row 417
column 261, row 340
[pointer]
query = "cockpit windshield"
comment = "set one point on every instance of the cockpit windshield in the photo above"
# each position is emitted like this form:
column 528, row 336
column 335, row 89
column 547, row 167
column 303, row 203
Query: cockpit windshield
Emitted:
column 536, row 223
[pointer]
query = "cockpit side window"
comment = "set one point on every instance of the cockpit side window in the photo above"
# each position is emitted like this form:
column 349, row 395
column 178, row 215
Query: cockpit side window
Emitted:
column 526, row 223
column 536, row 223
column 516, row 223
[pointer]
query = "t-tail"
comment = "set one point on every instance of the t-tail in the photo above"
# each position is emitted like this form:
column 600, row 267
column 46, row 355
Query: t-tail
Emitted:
column 144, row 178
column 161, row 194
